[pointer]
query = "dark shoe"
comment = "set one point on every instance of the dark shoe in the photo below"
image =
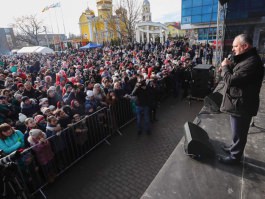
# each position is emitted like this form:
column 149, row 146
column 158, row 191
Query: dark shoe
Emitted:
column 228, row 160
column 226, row 148
column 139, row 132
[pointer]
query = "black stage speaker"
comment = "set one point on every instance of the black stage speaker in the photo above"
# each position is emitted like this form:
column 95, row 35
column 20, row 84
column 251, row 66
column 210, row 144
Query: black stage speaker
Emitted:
column 202, row 80
column 197, row 144
column 214, row 100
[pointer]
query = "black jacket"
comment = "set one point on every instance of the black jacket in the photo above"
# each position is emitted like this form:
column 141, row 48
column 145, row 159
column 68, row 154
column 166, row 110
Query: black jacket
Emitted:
column 242, row 84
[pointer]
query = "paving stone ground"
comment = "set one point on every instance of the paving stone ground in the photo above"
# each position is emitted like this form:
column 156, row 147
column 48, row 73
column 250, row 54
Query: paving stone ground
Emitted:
column 124, row 169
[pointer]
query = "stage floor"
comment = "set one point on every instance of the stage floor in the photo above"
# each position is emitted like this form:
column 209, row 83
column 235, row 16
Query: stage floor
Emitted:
column 183, row 177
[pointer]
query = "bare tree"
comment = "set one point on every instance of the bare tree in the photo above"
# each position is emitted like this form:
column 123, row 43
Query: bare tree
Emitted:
column 127, row 15
column 27, row 29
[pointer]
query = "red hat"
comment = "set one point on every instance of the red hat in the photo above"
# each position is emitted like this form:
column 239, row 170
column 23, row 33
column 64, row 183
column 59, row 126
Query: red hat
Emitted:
column 38, row 118
column 20, row 85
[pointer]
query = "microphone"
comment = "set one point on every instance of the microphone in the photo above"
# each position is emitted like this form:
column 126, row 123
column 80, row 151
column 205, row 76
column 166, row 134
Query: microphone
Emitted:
column 229, row 57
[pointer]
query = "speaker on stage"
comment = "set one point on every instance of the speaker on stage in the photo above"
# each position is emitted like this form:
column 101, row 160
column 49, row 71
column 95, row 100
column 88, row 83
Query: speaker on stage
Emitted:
column 197, row 142
column 214, row 100
column 202, row 80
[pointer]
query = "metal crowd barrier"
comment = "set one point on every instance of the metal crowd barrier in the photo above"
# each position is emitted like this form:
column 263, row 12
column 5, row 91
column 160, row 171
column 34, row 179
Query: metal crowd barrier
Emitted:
column 74, row 143
column 122, row 113
column 40, row 165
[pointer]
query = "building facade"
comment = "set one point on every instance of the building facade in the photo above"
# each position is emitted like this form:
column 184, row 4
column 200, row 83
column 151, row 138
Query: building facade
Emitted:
column 148, row 31
column 199, row 20
column 102, row 28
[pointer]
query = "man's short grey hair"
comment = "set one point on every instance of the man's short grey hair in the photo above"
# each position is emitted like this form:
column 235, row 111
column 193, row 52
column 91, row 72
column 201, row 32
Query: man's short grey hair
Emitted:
column 245, row 38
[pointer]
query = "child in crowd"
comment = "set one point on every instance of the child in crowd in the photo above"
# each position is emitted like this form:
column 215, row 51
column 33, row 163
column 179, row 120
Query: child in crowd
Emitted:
column 53, row 129
column 41, row 122
column 63, row 119
column 43, row 152
column 80, row 132
column 30, row 124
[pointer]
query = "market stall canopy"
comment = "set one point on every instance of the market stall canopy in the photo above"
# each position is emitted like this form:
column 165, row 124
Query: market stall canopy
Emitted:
column 35, row 49
column 91, row 45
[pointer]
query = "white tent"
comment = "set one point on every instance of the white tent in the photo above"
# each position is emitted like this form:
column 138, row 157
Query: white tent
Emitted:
column 35, row 49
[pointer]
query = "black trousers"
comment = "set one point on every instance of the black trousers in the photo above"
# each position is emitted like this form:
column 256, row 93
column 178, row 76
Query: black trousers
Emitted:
column 239, row 126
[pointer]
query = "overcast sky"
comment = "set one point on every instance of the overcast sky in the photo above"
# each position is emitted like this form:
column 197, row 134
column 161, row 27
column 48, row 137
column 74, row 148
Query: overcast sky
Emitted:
column 70, row 11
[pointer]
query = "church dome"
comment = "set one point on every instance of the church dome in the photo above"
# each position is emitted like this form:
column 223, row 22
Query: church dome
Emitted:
column 146, row 2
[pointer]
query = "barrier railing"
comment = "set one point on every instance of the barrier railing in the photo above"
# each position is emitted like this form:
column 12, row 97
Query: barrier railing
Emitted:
column 122, row 113
column 42, row 163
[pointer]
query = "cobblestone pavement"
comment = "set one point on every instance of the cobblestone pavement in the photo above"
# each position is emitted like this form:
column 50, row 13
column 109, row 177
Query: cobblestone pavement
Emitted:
column 124, row 169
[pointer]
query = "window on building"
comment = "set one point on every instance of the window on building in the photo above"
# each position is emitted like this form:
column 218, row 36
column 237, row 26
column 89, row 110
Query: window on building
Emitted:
column 197, row 3
column 186, row 3
column 206, row 18
column 186, row 12
column 196, row 11
column 196, row 19
column 209, row 2
column 186, row 20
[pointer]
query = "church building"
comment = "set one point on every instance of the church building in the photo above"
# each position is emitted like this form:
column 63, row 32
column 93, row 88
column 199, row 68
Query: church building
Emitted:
column 105, row 27
column 147, row 31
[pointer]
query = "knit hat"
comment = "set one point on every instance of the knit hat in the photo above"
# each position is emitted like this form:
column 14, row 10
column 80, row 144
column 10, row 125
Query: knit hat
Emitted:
column 22, row 117
column 24, row 98
column 43, row 100
column 44, row 109
column 51, row 107
column 20, row 85
column 17, row 96
column 52, row 88
column 34, row 132
column 38, row 118
column 89, row 93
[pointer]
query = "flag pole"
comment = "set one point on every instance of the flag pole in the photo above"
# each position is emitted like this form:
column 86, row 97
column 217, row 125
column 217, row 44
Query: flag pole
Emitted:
column 62, row 19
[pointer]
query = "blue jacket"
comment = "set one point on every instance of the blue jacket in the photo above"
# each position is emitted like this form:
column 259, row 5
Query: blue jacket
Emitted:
column 13, row 142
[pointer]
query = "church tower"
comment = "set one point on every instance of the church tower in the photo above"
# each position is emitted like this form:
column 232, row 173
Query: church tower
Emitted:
column 104, row 8
column 146, row 14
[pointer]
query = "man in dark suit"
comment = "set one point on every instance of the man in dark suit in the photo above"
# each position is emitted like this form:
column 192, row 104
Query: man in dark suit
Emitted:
column 243, row 80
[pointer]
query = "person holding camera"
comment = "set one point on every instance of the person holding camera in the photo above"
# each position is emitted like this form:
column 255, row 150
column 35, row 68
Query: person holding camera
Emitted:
column 142, row 93
column 10, row 139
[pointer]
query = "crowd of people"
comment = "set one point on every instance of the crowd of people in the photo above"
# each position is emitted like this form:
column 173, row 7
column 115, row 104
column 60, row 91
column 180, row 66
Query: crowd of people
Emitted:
column 43, row 94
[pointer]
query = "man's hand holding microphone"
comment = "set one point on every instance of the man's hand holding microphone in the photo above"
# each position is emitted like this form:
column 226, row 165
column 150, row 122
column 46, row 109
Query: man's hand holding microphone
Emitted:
column 226, row 62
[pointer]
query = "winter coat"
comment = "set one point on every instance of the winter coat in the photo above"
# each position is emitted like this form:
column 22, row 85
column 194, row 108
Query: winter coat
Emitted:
column 29, row 109
column 43, row 151
column 13, row 142
column 242, row 84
